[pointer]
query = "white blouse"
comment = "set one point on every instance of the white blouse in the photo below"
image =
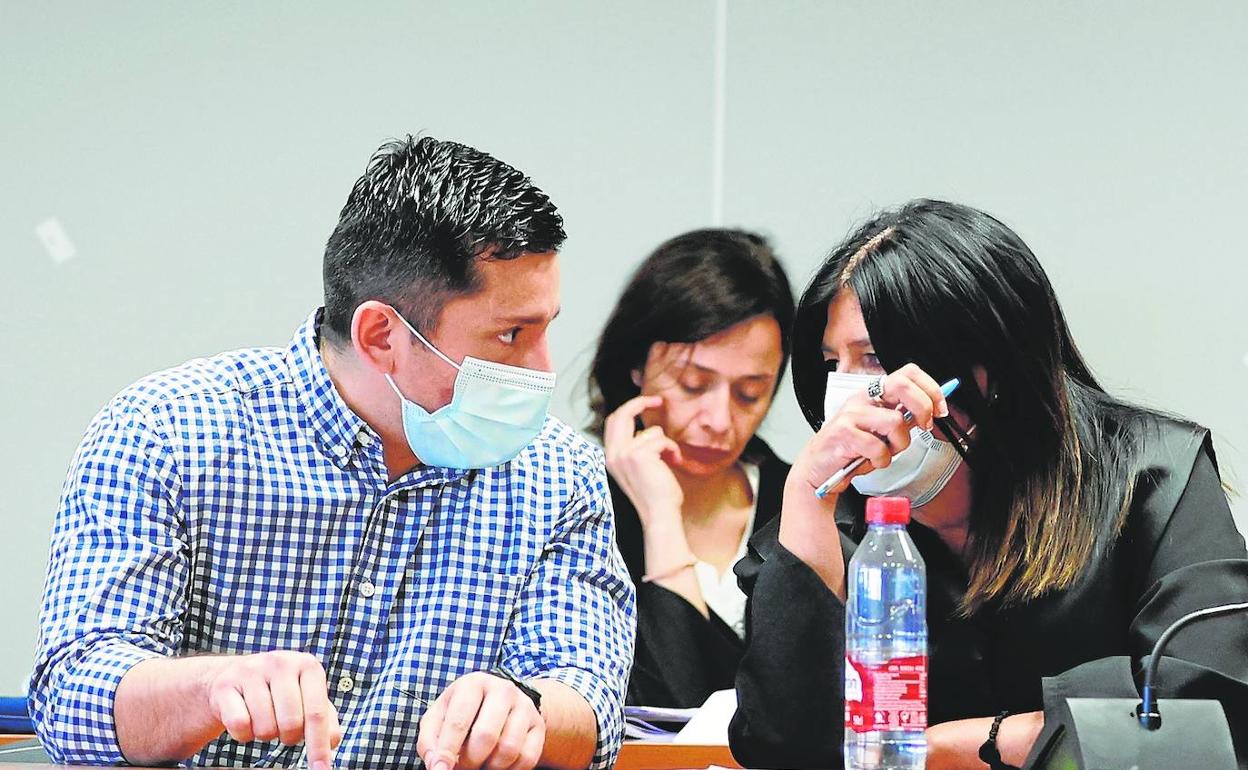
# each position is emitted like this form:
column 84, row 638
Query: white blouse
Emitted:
column 720, row 591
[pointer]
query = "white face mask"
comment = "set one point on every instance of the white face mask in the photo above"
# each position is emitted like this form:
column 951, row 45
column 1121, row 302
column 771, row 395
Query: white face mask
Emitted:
column 918, row 472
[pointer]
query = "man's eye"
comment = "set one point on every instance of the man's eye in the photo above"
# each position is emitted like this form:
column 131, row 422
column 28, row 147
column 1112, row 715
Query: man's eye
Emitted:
column 509, row 336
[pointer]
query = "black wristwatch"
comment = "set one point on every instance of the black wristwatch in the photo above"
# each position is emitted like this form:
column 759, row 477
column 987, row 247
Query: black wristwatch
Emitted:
column 533, row 694
column 989, row 754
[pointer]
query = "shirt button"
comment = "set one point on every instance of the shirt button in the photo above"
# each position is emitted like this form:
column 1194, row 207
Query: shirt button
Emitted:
column 346, row 684
column 367, row 589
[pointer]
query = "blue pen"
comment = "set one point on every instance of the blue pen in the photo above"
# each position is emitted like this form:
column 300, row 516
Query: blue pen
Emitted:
column 946, row 390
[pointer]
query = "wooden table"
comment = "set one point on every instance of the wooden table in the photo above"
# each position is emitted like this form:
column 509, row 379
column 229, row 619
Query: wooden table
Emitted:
column 634, row 755
column 7, row 738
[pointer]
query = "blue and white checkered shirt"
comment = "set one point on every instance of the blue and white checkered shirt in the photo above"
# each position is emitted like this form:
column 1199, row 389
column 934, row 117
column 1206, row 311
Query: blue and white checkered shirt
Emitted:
column 236, row 505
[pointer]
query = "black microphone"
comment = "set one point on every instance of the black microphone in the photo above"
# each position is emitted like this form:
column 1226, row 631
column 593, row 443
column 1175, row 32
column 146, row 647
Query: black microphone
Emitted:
column 1146, row 712
column 1122, row 734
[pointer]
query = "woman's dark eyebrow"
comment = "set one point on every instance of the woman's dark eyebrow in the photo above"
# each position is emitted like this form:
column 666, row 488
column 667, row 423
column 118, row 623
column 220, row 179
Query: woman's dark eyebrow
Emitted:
column 708, row 370
column 864, row 342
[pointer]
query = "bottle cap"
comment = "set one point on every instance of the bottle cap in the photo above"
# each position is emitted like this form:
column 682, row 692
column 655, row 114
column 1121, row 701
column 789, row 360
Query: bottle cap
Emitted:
column 888, row 510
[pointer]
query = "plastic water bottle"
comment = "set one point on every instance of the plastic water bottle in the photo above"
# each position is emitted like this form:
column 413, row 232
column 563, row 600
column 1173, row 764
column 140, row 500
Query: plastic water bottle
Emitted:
column 886, row 645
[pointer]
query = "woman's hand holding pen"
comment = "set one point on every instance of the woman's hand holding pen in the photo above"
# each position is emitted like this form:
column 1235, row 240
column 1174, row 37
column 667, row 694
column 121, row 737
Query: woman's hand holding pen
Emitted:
column 872, row 429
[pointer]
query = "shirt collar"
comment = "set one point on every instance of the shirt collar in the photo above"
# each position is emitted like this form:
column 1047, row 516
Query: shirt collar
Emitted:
column 337, row 429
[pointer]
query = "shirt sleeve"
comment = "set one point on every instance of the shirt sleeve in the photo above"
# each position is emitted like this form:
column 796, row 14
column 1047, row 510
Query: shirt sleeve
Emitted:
column 575, row 620
column 1199, row 561
column 114, row 594
column 790, row 707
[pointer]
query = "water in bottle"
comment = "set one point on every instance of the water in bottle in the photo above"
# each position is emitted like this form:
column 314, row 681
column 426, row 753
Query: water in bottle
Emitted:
column 886, row 645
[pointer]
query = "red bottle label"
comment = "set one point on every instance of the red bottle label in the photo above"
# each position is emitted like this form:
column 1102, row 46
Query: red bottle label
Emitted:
column 886, row 696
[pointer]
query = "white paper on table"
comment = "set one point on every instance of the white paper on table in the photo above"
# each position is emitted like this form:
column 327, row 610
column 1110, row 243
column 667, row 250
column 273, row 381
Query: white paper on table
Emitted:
column 652, row 723
column 709, row 724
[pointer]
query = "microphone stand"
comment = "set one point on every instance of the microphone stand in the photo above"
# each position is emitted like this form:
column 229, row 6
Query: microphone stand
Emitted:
column 1125, row 734
column 1149, row 716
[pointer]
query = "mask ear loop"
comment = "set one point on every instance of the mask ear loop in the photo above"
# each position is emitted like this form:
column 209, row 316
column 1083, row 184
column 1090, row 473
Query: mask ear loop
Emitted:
column 424, row 341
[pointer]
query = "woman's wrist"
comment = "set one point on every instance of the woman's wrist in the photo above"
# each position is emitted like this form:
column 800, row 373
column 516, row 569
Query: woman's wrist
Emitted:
column 670, row 562
column 660, row 516
column 808, row 531
column 1017, row 735
column 666, row 546
column 958, row 744
column 666, row 573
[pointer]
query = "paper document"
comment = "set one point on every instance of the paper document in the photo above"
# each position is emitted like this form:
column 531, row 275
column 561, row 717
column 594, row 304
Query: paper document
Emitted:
column 709, row 724
column 651, row 723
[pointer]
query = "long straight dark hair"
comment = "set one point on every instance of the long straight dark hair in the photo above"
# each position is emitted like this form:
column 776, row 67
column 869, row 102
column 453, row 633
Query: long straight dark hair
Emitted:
column 951, row 288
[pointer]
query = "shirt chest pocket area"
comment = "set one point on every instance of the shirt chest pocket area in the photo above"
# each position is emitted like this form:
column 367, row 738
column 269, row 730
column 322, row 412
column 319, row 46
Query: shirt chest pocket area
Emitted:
column 469, row 601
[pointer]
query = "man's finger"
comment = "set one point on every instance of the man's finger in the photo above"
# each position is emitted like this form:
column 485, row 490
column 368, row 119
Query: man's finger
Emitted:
column 486, row 730
column 260, row 706
column 287, row 708
column 510, row 744
column 534, row 742
column 461, row 712
column 320, row 718
column 234, row 716
column 430, row 726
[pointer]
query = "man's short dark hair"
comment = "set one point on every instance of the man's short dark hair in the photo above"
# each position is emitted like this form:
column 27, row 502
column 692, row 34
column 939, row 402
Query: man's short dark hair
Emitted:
column 417, row 221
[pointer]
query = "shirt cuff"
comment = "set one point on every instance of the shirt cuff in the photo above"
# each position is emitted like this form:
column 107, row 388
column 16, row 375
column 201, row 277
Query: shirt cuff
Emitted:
column 607, row 707
column 75, row 721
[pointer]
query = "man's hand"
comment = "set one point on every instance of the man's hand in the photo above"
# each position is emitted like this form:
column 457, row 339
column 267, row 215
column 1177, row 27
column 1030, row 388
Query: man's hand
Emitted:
column 276, row 695
column 481, row 721
column 167, row 709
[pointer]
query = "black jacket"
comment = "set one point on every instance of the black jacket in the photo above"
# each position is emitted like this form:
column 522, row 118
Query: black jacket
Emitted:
column 1178, row 551
column 681, row 656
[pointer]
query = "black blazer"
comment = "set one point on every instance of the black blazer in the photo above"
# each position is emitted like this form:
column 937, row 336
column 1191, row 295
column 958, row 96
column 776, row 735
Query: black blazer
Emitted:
column 1179, row 551
column 682, row 657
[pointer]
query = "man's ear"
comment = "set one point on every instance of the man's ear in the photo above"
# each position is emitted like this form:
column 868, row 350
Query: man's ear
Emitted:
column 375, row 330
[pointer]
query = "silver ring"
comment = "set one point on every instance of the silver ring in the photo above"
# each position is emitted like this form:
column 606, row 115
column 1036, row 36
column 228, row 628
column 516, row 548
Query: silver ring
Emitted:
column 875, row 390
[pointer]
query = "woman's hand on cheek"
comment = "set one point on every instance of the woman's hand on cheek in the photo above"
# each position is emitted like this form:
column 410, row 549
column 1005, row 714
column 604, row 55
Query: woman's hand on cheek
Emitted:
column 638, row 461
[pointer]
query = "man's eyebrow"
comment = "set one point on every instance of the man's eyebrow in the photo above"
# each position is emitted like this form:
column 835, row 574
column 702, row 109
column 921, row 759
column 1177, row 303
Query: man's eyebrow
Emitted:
column 530, row 318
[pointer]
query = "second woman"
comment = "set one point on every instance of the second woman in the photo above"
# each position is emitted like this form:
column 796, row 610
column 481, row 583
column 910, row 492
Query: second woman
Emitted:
column 684, row 374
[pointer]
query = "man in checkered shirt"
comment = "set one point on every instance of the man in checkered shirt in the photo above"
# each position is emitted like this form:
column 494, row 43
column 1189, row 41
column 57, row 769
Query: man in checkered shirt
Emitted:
column 252, row 565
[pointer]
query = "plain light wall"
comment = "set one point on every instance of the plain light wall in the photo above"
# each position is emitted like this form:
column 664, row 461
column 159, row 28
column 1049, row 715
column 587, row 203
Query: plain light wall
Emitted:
column 197, row 157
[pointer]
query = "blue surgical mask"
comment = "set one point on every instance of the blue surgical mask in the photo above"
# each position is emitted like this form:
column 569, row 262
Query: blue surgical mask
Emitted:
column 496, row 411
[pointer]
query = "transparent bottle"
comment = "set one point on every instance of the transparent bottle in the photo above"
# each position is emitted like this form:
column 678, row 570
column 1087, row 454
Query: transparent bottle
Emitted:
column 886, row 645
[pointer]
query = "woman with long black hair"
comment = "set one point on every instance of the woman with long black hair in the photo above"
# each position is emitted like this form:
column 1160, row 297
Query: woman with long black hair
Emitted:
column 1063, row 530
column 685, row 372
